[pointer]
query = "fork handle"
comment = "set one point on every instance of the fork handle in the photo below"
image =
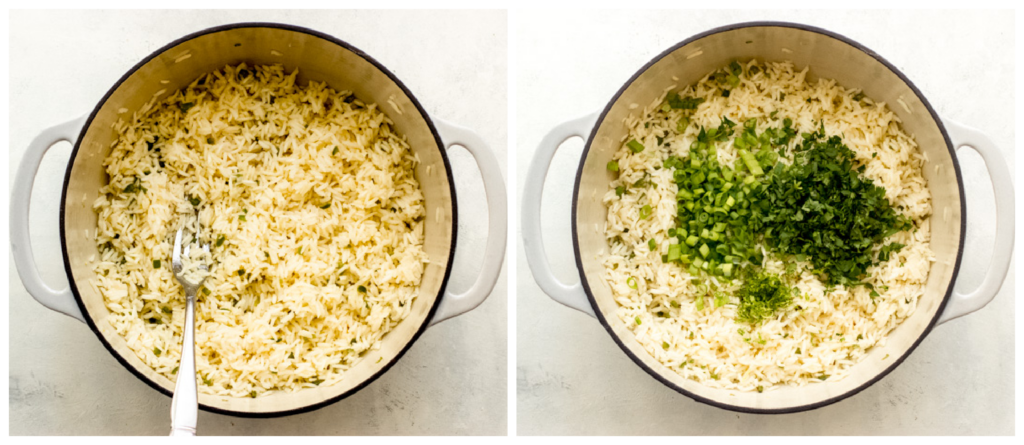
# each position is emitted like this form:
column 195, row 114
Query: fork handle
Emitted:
column 185, row 404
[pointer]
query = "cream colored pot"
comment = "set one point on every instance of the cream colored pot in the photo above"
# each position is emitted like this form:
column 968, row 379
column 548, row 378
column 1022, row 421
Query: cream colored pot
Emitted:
column 829, row 56
column 318, row 57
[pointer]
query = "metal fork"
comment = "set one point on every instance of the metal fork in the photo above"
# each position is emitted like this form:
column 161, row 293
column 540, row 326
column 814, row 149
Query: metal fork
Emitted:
column 185, row 404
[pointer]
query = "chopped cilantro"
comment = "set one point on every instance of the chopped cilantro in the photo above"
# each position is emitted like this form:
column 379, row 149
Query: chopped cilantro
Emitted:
column 760, row 296
column 685, row 103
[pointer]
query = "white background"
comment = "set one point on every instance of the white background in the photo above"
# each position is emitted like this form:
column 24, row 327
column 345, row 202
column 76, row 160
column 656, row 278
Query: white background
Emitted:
column 452, row 381
column 573, row 379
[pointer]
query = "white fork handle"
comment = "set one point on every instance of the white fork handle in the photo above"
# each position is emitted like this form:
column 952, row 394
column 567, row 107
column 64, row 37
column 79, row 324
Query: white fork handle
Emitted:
column 497, row 222
column 569, row 295
column 185, row 403
column 21, row 244
column 961, row 304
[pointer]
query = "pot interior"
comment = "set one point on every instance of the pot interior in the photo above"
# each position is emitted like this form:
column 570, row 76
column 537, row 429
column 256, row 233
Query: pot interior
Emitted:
column 318, row 58
column 830, row 57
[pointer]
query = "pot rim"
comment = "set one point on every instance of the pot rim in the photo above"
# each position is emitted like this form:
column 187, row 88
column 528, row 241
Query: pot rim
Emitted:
column 447, row 170
column 586, row 284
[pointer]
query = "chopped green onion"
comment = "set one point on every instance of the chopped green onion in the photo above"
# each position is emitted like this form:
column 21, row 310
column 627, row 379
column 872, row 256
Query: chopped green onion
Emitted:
column 362, row 289
column 637, row 319
column 720, row 299
column 157, row 351
column 613, row 166
column 682, row 124
column 631, row 282
column 156, row 264
column 652, row 244
column 751, row 163
column 325, row 206
column 220, row 240
column 635, row 146
column 645, row 211
column 674, row 252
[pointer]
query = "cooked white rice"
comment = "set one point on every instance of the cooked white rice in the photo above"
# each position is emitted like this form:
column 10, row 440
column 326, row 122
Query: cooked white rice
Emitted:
column 313, row 215
column 833, row 330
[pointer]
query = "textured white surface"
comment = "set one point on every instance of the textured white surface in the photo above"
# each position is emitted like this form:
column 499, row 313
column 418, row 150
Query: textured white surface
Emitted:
column 452, row 381
column 573, row 379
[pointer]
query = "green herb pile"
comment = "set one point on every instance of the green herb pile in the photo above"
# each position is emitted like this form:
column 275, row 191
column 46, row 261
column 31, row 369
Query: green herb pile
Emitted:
column 760, row 297
column 716, row 202
column 816, row 208
column 821, row 208
column 803, row 201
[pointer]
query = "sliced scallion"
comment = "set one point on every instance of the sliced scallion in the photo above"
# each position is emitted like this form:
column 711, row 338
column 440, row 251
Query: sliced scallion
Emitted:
column 635, row 146
column 631, row 282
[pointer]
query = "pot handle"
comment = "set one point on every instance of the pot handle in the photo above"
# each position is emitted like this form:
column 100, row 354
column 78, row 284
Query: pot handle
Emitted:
column 961, row 304
column 21, row 243
column 453, row 304
column 573, row 295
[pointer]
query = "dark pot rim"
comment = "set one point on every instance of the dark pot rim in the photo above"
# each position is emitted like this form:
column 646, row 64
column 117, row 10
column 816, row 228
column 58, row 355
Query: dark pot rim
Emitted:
column 346, row 46
column 658, row 376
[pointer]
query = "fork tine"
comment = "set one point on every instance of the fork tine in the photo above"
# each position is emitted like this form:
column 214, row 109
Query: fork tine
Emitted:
column 199, row 228
column 176, row 255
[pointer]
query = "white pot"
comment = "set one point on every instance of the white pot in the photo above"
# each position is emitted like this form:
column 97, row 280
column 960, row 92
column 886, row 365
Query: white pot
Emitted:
column 829, row 56
column 318, row 57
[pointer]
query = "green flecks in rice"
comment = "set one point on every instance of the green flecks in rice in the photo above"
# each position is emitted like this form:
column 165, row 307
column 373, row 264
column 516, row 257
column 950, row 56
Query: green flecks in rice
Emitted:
column 259, row 156
column 807, row 340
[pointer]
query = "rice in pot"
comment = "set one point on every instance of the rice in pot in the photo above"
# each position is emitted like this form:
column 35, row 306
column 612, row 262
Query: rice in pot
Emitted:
column 826, row 329
column 308, row 200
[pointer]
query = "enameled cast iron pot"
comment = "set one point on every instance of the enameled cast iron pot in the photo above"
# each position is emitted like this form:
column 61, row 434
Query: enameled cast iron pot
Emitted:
column 318, row 57
column 829, row 56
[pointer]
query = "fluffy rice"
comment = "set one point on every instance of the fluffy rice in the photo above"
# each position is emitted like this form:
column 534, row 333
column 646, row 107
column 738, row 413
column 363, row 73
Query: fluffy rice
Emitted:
column 314, row 218
column 823, row 333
